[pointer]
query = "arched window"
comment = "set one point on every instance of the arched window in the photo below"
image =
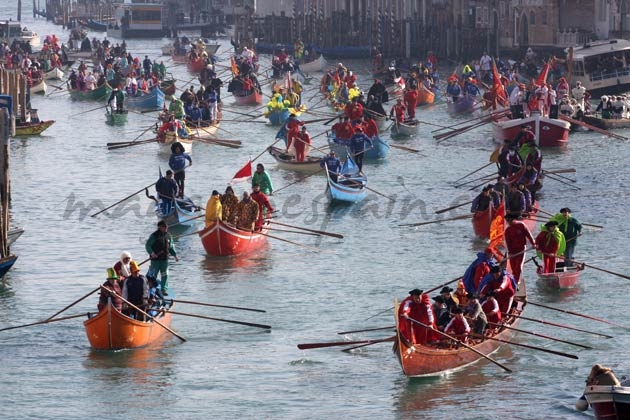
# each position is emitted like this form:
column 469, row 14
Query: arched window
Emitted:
column 532, row 18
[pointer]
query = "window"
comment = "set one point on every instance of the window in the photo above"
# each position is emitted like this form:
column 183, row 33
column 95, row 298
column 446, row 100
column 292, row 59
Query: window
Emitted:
column 532, row 18
column 543, row 17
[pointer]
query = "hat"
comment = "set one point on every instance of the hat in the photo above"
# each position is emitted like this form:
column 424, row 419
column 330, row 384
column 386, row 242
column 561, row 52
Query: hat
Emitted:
column 438, row 299
column 215, row 192
column 562, row 210
column 134, row 267
column 551, row 224
column 457, row 310
column 488, row 250
column 460, row 285
column 111, row 274
column 511, row 216
column 415, row 292
column 161, row 223
column 446, row 289
column 495, row 269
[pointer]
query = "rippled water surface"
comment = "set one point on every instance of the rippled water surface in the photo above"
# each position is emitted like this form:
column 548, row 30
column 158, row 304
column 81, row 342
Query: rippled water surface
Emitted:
column 229, row 371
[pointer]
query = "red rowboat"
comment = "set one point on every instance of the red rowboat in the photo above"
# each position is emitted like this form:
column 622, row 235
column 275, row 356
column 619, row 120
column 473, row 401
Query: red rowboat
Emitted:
column 427, row 360
column 481, row 221
column 549, row 132
column 222, row 239
column 563, row 278
column 112, row 330
column 254, row 98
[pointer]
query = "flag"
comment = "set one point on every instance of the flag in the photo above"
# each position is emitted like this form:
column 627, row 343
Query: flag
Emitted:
column 498, row 88
column 243, row 174
column 497, row 227
column 542, row 77
column 233, row 66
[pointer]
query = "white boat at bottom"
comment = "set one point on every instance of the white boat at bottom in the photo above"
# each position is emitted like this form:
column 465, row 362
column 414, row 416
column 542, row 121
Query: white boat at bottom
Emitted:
column 166, row 144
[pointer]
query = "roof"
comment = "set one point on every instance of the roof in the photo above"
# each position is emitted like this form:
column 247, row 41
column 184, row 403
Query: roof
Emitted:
column 600, row 47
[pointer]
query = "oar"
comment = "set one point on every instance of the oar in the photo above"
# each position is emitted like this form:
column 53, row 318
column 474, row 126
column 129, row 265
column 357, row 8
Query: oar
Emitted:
column 583, row 224
column 126, row 198
column 231, row 321
column 443, row 284
column 369, row 329
column 143, row 313
column 299, row 180
column 568, row 327
column 382, row 312
column 575, row 313
column 450, row 337
column 216, row 142
column 73, row 303
column 485, row 178
column 288, row 241
column 299, row 232
column 47, row 321
column 465, row 216
column 555, row 178
column 557, row 353
column 559, row 171
column 90, row 110
column 398, row 146
column 382, row 340
column 240, row 308
column 129, row 144
column 541, row 335
column 453, row 207
column 308, row 346
column 603, row 270
column 473, row 172
column 320, row 232
column 591, row 127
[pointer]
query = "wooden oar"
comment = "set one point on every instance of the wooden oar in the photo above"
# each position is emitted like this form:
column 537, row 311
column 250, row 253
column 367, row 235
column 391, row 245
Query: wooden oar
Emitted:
column 143, row 313
column 555, row 178
column 299, row 232
column 473, row 172
column 453, row 207
column 126, row 198
column 603, row 270
column 465, row 216
column 398, row 146
column 90, row 110
column 484, row 178
column 288, row 241
column 583, row 224
column 592, row 127
column 299, row 180
column 46, row 321
column 216, row 142
column 492, row 114
column 231, row 321
column 240, row 308
column 320, row 232
column 129, row 144
column 382, row 340
column 559, row 171
column 443, row 284
column 540, row 335
column 366, row 330
column 450, row 337
column 575, row 314
column 554, row 324
column 557, row 353
column 73, row 303
column 308, row 346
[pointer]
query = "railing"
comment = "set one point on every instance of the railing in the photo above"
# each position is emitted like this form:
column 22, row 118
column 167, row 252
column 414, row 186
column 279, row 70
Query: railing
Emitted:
column 570, row 37
column 609, row 75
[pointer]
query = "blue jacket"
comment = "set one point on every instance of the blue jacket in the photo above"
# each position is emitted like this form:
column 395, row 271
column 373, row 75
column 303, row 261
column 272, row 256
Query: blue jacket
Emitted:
column 357, row 143
column 177, row 162
column 333, row 164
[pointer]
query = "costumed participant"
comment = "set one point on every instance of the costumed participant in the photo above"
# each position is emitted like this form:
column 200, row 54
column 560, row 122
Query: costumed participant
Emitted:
column 177, row 162
column 399, row 110
column 478, row 269
column 458, row 327
column 110, row 290
column 549, row 243
column 416, row 307
column 411, row 101
column 332, row 164
column 262, row 178
column 123, row 267
column 571, row 228
column 503, row 285
column 516, row 236
column 214, row 209
column 302, row 144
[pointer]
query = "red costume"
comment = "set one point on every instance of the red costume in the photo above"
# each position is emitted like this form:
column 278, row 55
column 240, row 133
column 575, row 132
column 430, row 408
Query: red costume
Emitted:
column 421, row 312
column 301, row 145
column 346, row 131
column 411, row 101
column 481, row 271
column 354, row 111
column 350, row 80
column 548, row 245
column 399, row 109
column 503, row 289
column 458, row 326
column 370, row 128
column 263, row 203
column 516, row 237
column 293, row 128
column 491, row 308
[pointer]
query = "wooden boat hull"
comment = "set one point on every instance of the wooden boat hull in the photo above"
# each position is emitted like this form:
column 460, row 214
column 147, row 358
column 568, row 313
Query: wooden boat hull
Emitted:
column 101, row 93
column 6, row 263
column 111, row 330
column 378, row 151
column 286, row 161
column 54, row 74
column 609, row 402
column 13, row 235
column 178, row 215
column 315, row 66
column 348, row 190
column 32, row 129
column 254, row 98
column 152, row 100
column 165, row 145
column 404, row 129
column 223, row 240
column 560, row 279
column 425, row 96
column 548, row 132
column 39, row 87
column 423, row 361
column 168, row 87
column 464, row 105
column 115, row 118
column 606, row 123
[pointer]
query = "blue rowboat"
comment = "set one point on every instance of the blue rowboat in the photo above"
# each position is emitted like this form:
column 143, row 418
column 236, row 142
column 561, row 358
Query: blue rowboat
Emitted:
column 152, row 100
column 95, row 25
column 350, row 185
column 6, row 263
column 181, row 211
column 464, row 105
column 379, row 150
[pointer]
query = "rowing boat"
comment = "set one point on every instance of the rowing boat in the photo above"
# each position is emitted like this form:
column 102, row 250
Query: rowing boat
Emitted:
column 407, row 128
column 548, row 132
column 247, row 98
column 32, row 128
column 54, row 74
column 181, row 212
column 482, row 220
column 463, row 105
column 418, row 360
column 341, row 147
column 39, row 87
column 562, row 278
column 101, row 93
column 350, row 184
column 425, row 95
column 154, row 99
column 317, row 65
column 609, row 402
column 166, row 142
column 111, row 330
column 287, row 161
column 223, row 239
column 116, row 118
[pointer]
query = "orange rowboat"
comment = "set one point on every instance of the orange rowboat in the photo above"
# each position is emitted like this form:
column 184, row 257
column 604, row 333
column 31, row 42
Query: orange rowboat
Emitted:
column 222, row 239
column 425, row 96
column 112, row 330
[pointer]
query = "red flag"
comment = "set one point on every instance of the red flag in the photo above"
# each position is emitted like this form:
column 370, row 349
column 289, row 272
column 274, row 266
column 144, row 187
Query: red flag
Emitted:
column 498, row 88
column 542, row 77
column 243, row 174
column 497, row 227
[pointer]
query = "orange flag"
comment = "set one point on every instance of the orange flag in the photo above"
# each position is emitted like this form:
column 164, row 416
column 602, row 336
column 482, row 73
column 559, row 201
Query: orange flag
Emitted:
column 234, row 66
column 542, row 77
column 497, row 228
column 498, row 88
